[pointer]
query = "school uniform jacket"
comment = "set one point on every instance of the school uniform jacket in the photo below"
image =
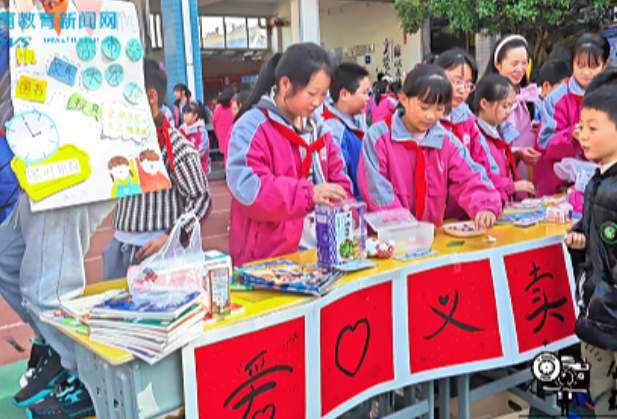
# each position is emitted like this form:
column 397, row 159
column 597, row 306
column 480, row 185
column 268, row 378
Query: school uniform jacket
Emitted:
column 496, row 144
column 561, row 111
column 270, row 194
column 347, row 133
column 222, row 121
column 462, row 124
column 387, row 173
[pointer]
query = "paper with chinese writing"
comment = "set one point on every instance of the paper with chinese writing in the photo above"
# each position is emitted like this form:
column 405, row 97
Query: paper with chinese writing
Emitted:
column 82, row 130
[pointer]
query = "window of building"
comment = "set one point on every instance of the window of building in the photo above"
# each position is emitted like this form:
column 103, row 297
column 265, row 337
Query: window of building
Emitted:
column 212, row 32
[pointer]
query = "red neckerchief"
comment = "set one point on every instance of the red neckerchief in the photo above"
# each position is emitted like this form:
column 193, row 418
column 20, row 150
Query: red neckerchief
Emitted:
column 163, row 133
column 502, row 145
column 454, row 129
column 578, row 98
column 299, row 141
column 327, row 114
column 420, row 171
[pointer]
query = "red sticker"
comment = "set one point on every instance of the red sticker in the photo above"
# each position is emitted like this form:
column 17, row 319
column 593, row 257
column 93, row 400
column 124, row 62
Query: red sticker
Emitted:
column 541, row 296
column 452, row 316
column 356, row 345
column 257, row 375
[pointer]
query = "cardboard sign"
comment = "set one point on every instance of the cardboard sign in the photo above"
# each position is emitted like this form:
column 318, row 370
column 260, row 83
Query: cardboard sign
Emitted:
column 541, row 296
column 356, row 345
column 257, row 375
column 68, row 78
column 452, row 316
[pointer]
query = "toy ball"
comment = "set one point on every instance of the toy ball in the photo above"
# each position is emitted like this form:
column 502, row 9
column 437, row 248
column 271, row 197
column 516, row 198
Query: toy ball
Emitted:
column 385, row 250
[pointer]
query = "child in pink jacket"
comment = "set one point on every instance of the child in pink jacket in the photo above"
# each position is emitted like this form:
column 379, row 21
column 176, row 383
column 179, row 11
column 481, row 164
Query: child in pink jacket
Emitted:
column 381, row 106
column 223, row 118
column 492, row 103
column 561, row 112
column 510, row 58
column 411, row 161
column 194, row 129
column 282, row 163
column 462, row 71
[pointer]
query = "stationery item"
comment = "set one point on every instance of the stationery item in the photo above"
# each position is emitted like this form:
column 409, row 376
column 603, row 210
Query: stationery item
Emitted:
column 159, row 305
column 416, row 254
column 357, row 265
column 289, row 276
column 62, row 320
column 79, row 308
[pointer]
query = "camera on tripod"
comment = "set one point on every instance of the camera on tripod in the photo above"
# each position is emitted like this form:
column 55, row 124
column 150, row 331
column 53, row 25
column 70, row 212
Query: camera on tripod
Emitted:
column 560, row 376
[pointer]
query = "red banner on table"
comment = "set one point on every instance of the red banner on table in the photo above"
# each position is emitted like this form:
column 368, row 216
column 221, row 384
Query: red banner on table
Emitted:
column 541, row 296
column 356, row 345
column 452, row 316
column 257, row 375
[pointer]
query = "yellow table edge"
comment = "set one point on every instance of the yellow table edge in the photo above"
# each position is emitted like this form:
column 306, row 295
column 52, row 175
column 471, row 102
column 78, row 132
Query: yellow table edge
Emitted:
column 259, row 303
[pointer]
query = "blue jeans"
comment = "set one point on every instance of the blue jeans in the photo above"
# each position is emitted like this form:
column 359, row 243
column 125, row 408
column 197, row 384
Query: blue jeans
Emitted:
column 42, row 261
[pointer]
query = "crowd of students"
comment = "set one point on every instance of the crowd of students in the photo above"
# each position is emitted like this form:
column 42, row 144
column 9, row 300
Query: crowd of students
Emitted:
column 442, row 145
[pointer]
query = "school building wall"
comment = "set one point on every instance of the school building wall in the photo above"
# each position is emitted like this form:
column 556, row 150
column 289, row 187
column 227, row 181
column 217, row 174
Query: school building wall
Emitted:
column 354, row 24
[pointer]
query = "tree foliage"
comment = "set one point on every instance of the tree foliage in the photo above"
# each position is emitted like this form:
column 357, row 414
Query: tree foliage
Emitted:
column 548, row 25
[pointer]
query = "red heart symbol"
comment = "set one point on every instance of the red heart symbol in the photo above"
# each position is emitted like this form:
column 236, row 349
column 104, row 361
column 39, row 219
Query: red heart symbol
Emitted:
column 263, row 414
column 351, row 347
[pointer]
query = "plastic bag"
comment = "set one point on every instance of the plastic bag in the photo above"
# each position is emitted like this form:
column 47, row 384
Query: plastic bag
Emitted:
column 568, row 169
column 174, row 268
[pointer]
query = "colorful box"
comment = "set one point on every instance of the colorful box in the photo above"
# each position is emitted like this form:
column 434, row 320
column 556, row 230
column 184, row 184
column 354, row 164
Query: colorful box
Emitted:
column 561, row 213
column 341, row 233
column 216, row 282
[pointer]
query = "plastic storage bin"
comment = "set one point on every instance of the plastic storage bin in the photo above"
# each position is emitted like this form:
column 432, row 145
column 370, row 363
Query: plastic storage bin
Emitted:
column 403, row 228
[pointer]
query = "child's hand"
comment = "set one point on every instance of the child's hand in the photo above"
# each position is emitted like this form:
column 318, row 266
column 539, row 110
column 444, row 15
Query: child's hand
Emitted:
column 324, row 193
column 152, row 247
column 485, row 220
column 576, row 241
column 524, row 186
column 528, row 155
column 534, row 126
column 576, row 134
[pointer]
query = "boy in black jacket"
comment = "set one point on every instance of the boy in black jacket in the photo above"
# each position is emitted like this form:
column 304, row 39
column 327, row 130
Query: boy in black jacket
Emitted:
column 594, row 238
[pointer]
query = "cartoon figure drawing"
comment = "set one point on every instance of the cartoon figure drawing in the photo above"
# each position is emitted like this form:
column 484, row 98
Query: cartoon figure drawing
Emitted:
column 149, row 169
column 124, row 177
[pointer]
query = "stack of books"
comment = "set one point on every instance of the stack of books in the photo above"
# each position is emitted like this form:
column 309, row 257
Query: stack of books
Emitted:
column 151, row 327
column 74, row 315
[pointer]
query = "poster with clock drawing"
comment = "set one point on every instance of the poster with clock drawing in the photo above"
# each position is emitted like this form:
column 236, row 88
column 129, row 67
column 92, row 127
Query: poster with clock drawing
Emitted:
column 82, row 129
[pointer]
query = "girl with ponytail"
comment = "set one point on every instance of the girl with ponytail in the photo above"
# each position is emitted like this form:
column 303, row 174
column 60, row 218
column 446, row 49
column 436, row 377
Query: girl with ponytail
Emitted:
column 281, row 162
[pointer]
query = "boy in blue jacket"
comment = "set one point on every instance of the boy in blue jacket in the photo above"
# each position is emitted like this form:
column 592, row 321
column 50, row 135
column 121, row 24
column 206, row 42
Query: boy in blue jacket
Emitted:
column 344, row 114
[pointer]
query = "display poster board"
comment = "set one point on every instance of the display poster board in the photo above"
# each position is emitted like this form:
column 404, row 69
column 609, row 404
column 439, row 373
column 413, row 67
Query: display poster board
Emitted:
column 82, row 129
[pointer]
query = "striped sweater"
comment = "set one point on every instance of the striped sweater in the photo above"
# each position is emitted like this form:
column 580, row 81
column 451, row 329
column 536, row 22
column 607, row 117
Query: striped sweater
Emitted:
column 156, row 211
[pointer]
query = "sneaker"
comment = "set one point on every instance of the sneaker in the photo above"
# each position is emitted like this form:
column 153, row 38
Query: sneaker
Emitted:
column 38, row 351
column 70, row 400
column 46, row 375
